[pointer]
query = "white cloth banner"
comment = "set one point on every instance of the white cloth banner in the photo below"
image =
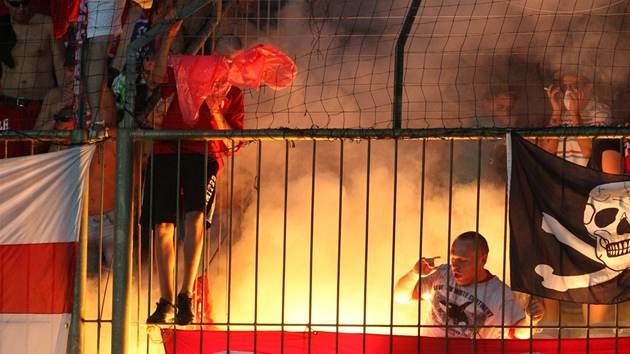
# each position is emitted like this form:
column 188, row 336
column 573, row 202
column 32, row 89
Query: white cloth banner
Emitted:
column 40, row 208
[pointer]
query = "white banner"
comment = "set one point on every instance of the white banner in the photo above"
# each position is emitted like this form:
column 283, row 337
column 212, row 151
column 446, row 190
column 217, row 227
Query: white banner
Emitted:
column 40, row 208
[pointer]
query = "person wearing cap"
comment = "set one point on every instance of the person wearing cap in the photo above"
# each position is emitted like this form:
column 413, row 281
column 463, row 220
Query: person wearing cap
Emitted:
column 574, row 104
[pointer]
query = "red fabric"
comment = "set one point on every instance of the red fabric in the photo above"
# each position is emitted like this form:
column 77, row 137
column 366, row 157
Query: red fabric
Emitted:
column 62, row 12
column 201, row 299
column 208, row 78
column 231, row 107
column 182, row 342
column 30, row 272
column 199, row 78
column 262, row 63
column 13, row 117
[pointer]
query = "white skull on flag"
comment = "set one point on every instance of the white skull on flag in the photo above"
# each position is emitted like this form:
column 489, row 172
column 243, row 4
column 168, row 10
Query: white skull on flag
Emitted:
column 606, row 219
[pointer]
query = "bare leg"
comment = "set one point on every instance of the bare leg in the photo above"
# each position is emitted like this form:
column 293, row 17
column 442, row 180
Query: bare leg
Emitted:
column 193, row 245
column 165, row 259
column 96, row 83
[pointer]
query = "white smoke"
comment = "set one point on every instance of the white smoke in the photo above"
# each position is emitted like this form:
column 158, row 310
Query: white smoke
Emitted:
column 309, row 237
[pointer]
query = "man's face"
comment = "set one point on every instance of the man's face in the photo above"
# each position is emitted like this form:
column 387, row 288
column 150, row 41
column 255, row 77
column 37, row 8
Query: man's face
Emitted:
column 19, row 10
column 464, row 264
column 502, row 105
column 574, row 84
column 570, row 83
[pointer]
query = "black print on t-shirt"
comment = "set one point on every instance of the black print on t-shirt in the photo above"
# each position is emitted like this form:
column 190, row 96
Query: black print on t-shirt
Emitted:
column 459, row 310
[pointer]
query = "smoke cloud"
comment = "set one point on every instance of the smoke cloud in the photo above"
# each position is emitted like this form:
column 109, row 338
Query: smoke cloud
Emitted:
column 324, row 236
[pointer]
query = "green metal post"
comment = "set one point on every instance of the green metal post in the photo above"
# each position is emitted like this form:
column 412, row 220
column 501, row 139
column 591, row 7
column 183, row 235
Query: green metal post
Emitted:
column 399, row 63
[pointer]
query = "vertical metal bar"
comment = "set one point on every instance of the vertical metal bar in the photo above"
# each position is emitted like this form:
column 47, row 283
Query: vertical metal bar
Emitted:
column 478, row 186
column 448, row 232
column 121, row 318
column 137, row 200
column 339, row 238
column 230, row 238
column 284, row 242
column 311, row 238
column 392, row 275
column 367, row 238
column 200, row 289
column 121, row 293
column 506, row 239
column 256, row 259
column 229, row 283
column 76, row 336
column 421, row 229
column 149, row 184
column 180, row 227
column 99, row 305
column 399, row 62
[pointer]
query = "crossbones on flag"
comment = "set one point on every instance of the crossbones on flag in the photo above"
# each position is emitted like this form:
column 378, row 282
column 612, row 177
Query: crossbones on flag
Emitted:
column 569, row 228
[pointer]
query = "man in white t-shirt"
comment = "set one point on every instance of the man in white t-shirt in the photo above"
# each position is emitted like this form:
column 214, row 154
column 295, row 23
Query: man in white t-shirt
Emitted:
column 465, row 299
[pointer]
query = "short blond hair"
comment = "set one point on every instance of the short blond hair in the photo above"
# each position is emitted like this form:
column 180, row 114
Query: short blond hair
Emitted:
column 227, row 45
column 471, row 236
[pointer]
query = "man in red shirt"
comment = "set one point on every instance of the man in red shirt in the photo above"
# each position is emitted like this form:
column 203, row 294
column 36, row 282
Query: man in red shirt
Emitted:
column 196, row 186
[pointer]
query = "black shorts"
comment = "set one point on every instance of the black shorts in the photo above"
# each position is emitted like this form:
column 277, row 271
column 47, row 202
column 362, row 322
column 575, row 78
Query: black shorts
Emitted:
column 196, row 189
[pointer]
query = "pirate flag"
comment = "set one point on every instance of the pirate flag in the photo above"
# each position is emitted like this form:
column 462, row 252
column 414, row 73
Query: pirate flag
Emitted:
column 569, row 228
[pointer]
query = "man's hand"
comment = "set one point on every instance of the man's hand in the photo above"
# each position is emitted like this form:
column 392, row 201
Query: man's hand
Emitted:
column 554, row 98
column 405, row 290
column 534, row 310
column 167, row 37
column 425, row 266
column 575, row 98
column 67, row 97
column 222, row 124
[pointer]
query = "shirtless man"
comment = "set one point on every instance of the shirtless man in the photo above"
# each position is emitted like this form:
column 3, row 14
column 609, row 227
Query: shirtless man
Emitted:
column 36, row 59
column 31, row 63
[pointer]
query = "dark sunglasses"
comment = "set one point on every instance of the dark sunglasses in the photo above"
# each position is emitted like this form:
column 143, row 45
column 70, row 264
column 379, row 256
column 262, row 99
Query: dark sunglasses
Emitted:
column 16, row 4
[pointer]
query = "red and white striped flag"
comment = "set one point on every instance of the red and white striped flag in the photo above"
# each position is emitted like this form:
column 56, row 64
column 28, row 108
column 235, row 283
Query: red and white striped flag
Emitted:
column 40, row 208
